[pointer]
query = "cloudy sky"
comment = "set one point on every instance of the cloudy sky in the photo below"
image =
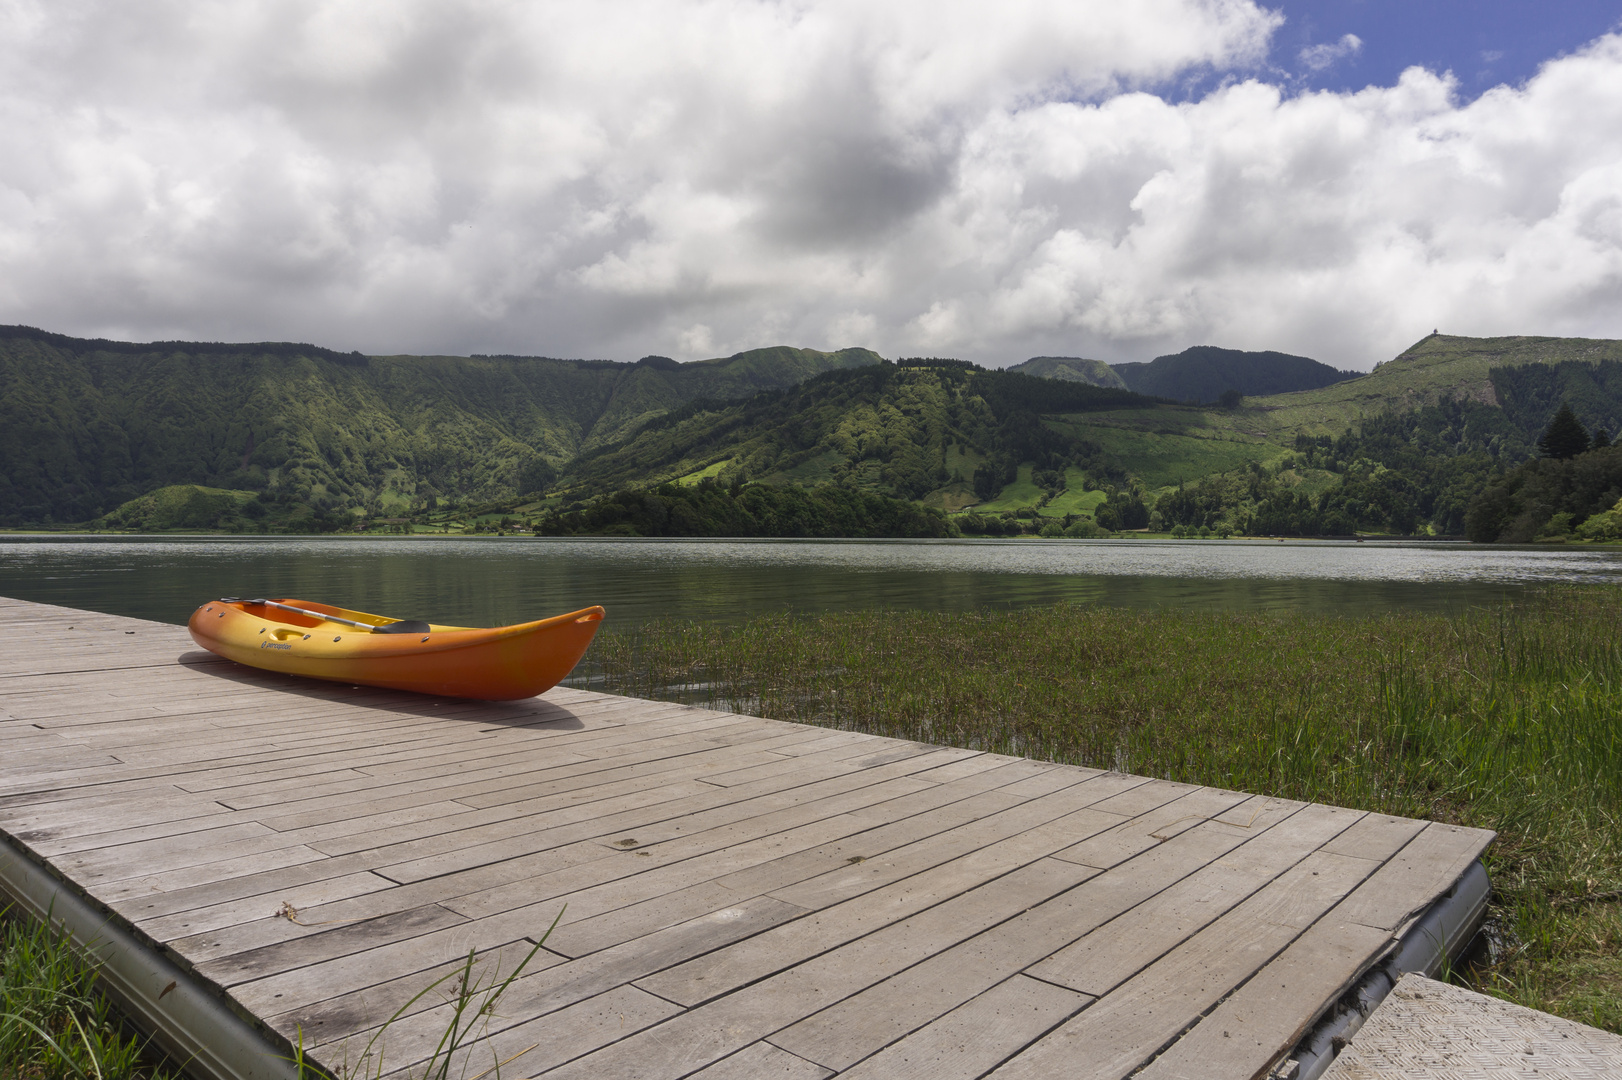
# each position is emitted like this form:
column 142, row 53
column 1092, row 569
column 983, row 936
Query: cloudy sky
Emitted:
column 987, row 181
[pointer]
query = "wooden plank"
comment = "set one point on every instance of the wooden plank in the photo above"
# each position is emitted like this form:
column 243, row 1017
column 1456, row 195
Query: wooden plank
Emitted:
column 1415, row 876
column 536, row 1046
column 878, row 830
column 202, row 873
column 610, row 884
column 565, row 870
column 576, row 980
column 1155, row 812
column 365, row 1010
column 149, row 858
column 711, row 1031
column 1256, row 1026
column 860, row 756
column 238, row 912
column 843, row 1034
column 316, row 944
column 1122, row 1030
column 1375, row 836
column 75, row 814
column 549, row 983
column 562, row 781
column 470, row 826
column 519, row 882
column 556, row 987
column 976, row 1036
column 1017, row 859
column 355, row 970
column 672, row 819
column 706, row 1033
column 983, row 834
column 515, row 775
column 762, row 1060
column 865, row 1023
column 1117, row 950
column 261, row 882
column 626, row 909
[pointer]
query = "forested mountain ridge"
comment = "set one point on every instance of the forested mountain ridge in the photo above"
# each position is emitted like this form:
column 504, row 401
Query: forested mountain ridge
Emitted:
column 1422, row 438
column 88, row 425
column 1205, row 373
column 1435, row 369
column 292, row 437
column 948, row 436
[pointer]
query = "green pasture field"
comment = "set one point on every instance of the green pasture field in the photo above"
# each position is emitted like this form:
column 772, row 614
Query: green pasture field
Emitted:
column 1074, row 499
column 817, row 470
column 707, row 471
column 1505, row 719
column 1165, row 458
column 1022, row 494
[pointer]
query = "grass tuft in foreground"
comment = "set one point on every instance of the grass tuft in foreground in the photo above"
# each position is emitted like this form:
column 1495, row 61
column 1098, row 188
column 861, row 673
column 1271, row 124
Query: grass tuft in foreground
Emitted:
column 54, row 1023
column 1508, row 719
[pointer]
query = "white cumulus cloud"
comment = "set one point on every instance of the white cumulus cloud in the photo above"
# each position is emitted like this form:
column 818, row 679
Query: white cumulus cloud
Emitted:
column 1325, row 56
column 691, row 178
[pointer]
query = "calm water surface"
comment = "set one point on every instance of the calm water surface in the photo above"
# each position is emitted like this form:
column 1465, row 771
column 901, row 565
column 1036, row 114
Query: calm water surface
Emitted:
column 498, row 581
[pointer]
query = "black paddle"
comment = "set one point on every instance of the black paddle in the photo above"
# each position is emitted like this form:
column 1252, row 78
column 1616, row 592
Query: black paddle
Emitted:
column 399, row 626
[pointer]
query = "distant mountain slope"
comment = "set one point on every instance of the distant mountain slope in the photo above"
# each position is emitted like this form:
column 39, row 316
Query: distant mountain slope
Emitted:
column 1435, row 369
column 1071, row 369
column 1204, row 373
column 88, row 425
column 929, row 433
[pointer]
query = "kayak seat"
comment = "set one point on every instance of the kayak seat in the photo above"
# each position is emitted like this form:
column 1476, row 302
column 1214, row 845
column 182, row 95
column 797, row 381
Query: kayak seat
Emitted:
column 404, row 626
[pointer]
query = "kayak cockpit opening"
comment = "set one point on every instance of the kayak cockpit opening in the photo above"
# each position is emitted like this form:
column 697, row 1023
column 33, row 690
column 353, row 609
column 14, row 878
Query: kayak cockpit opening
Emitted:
column 404, row 626
column 316, row 618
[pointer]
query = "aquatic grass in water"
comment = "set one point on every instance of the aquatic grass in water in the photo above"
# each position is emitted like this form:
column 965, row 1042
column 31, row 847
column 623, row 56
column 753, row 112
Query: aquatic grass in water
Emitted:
column 1508, row 719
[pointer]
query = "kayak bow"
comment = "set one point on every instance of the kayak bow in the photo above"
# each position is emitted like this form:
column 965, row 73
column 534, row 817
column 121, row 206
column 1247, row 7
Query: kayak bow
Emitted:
column 299, row 637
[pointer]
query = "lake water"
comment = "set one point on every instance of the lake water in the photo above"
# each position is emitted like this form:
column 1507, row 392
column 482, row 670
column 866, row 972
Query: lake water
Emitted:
column 484, row 582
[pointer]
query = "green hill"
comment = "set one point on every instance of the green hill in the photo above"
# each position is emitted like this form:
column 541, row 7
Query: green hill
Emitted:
column 1406, row 447
column 183, row 506
column 920, row 433
column 86, row 426
column 1205, row 372
column 1436, row 368
column 1071, row 369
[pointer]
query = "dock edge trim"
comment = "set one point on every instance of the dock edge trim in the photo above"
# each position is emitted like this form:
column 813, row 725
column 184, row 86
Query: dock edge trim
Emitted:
column 187, row 1019
column 1436, row 939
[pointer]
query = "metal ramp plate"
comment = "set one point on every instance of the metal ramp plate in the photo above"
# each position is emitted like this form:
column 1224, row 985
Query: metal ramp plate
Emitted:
column 1428, row 1030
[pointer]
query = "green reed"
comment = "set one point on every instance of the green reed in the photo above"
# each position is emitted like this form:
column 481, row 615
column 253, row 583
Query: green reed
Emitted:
column 1508, row 719
column 54, row 1022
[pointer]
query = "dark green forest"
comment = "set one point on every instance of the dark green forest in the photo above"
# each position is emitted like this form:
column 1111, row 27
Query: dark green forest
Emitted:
column 88, row 425
column 749, row 510
column 1204, row 373
column 1458, row 468
column 903, row 431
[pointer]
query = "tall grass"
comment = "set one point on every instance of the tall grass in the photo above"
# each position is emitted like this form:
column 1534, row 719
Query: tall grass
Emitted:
column 54, row 1023
column 1508, row 719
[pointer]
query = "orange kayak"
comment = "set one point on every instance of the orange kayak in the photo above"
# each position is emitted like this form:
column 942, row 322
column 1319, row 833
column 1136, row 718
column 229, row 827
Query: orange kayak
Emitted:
column 299, row 637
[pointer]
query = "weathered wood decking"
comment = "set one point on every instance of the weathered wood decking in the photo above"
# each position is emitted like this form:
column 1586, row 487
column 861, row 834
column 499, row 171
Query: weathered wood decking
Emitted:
column 745, row 898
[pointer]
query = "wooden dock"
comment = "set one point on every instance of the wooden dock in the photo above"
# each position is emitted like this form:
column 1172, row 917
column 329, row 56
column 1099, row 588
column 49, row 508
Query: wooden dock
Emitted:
column 745, row 897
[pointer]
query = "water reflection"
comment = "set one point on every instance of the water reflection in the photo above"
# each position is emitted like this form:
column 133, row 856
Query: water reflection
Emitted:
column 495, row 581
